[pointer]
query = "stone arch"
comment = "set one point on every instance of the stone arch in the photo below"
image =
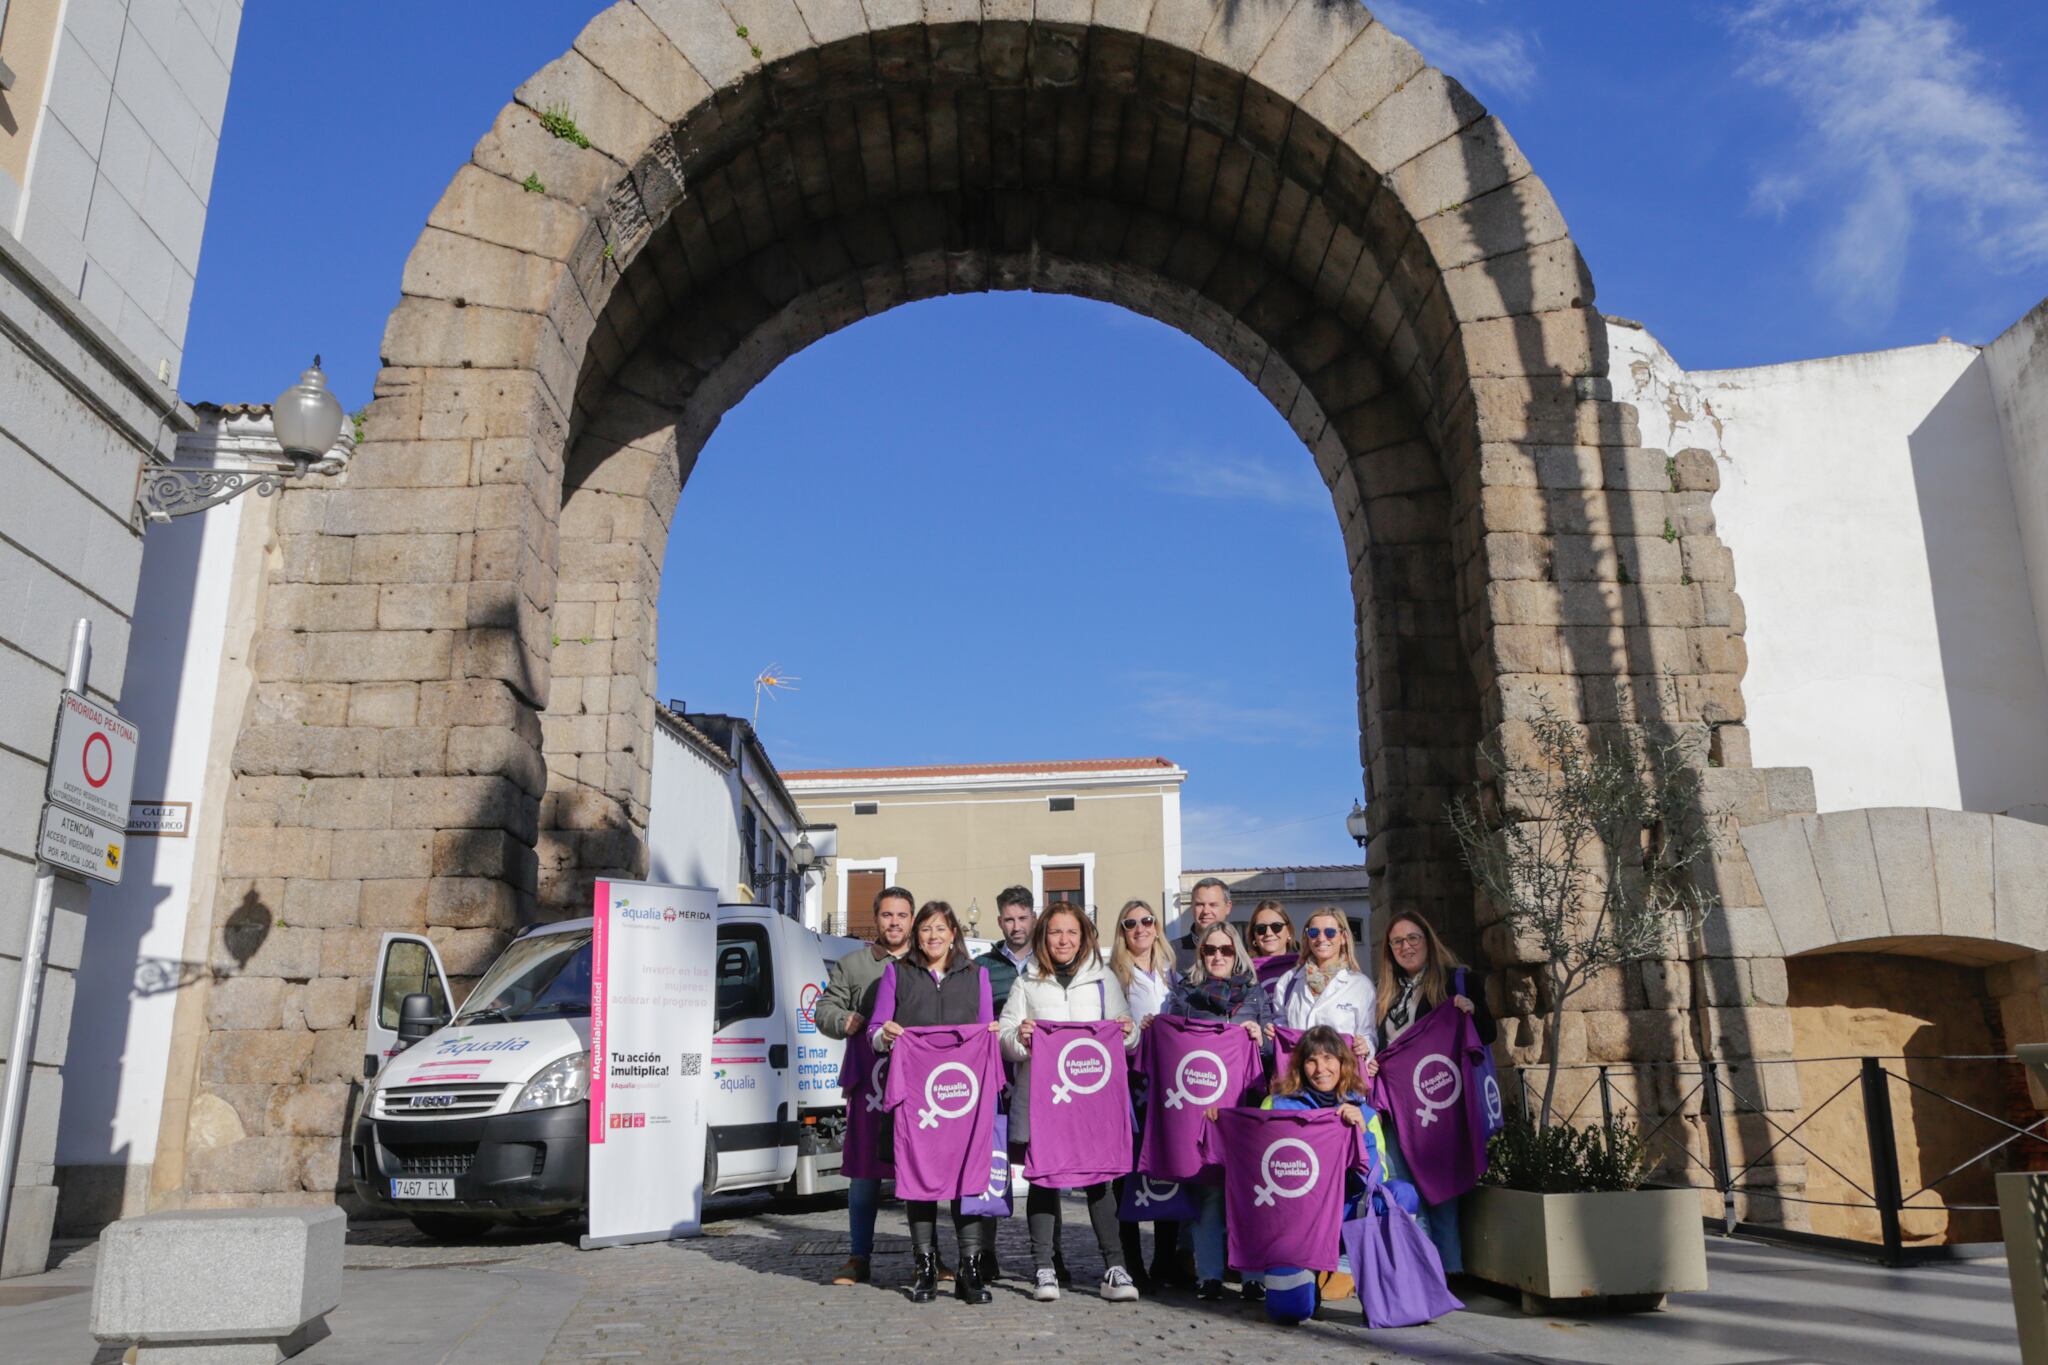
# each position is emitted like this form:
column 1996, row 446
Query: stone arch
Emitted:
column 435, row 741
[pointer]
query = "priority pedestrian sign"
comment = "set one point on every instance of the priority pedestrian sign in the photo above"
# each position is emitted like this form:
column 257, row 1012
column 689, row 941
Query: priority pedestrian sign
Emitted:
column 92, row 761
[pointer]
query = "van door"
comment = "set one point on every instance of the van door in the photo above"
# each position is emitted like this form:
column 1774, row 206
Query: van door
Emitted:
column 407, row 964
column 752, row 1139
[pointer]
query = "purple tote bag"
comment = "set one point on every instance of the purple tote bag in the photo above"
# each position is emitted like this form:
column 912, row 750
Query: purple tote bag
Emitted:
column 1399, row 1276
column 995, row 1200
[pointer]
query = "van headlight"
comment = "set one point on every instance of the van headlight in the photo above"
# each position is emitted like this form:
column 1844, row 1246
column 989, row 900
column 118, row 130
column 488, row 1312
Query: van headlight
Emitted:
column 558, row 1083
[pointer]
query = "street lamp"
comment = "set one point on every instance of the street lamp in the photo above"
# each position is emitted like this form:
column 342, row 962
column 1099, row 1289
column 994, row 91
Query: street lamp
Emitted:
column 307, row 419
column 1356, row 825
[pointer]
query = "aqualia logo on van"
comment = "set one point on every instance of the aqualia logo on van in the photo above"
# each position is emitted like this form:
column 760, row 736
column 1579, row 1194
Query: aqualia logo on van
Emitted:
column 727, row 1081
column 460, row 1045
column 652, row 915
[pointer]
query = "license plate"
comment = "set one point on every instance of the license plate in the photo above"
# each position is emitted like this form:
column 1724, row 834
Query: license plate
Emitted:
column 423, row 1189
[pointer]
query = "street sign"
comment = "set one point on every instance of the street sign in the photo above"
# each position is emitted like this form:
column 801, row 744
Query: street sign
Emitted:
column 92, row 761
column 160, row 819
column 77, row 844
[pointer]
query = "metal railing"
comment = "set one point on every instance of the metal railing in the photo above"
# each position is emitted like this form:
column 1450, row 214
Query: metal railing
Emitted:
column 1747, row 1143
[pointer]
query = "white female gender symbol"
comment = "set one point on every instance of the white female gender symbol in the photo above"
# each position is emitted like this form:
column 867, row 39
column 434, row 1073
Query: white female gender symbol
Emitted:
column 1067, row 1087
column 929, row 1116
column 1262, row 1194
column 1429, row 1109
column 1179, row 1094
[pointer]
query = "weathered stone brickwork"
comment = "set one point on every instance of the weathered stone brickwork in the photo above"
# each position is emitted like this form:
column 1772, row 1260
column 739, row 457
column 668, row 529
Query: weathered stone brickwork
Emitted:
column 455, row 697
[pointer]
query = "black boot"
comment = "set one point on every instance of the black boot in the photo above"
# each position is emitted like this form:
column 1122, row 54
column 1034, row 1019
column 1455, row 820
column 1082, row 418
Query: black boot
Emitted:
column 967, row 1286
column 924, row 1276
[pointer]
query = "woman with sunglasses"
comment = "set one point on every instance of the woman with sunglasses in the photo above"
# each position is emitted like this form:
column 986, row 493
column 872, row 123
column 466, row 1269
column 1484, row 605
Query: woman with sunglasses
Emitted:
column 1142, row 961
column 1271, row 940
column 1221, row 985
column 1326, row 985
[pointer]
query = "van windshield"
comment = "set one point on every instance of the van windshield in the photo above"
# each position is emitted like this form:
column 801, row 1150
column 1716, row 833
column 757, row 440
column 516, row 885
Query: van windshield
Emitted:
column 546, row 976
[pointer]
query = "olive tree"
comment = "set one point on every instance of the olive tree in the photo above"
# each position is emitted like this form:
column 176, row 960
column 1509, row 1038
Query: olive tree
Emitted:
column 1590, row 850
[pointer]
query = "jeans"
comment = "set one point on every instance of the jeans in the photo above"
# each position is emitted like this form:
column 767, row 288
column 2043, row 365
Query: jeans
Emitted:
column 863, row 1201
column 1440, row 1221
column 1212, row 1238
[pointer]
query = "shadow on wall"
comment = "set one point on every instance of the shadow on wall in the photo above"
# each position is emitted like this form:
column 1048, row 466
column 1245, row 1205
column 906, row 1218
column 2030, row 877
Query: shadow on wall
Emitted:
column 111, row 974
column 1991, row 660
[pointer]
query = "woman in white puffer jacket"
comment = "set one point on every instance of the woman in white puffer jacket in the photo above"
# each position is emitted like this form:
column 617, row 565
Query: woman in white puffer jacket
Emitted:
column 1065, row 982
column 1328, row 986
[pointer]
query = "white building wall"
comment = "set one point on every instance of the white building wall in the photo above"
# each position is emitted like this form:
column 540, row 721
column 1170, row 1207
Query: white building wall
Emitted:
column 122, row 161
column 2018, row 363
column 692, row 822
column 1893, row 642
column 134, row 960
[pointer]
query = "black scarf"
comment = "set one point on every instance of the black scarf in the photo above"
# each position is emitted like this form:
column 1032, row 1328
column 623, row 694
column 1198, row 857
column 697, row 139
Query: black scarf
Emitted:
column 1220, row 998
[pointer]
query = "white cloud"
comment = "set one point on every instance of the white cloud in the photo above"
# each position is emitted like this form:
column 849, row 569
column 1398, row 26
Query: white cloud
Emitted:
column 1292, row 482
column 1173, row 707
column 1231, row 836
column 1498, row 59
column 1907, row 133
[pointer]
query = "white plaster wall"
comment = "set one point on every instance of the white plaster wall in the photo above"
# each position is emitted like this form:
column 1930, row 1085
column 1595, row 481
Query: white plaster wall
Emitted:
column 2018, row 364
column 693, row 836
column 121, row 1033
column 122, row 163
column 1893, row 643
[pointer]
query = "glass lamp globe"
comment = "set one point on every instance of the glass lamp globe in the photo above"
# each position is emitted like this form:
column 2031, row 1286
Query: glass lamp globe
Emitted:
column 307, row 417
column 803, row 856
column 1356, row 824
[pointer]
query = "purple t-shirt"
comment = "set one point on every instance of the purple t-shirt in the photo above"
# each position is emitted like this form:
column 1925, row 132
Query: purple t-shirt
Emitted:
column 1190, row 1065
column 1080, row 1105
column 942, row 1089
column 861, row 1077
column 1425, row 1076
column 1283, row 1185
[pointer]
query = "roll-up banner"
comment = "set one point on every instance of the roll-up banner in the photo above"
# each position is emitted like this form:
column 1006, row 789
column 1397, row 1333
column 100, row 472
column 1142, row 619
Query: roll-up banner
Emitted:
column 653, row 987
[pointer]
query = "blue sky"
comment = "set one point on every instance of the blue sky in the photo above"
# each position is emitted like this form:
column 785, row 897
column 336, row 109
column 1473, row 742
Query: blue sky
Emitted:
column 1017, row 526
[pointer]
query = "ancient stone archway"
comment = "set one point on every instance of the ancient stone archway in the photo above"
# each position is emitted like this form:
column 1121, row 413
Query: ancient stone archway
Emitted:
column 455, row 680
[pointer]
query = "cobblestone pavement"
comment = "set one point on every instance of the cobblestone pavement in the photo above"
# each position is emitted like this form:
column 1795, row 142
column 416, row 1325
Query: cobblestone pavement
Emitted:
column 754, row 1288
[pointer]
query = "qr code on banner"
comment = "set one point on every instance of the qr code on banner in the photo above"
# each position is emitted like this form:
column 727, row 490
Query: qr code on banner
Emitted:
column 692, row 1064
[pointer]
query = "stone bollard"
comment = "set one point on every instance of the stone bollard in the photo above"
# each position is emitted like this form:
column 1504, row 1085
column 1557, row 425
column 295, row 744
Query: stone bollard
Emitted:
column 219, row 1286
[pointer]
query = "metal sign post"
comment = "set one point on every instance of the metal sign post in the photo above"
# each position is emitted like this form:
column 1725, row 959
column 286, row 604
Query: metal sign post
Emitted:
column 28, row 1000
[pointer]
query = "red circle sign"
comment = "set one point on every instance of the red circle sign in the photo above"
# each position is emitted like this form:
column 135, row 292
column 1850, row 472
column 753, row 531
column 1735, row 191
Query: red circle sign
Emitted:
column 85, row 759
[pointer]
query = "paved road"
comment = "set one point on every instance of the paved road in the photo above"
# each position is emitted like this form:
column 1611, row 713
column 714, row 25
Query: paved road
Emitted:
column 753, row 1288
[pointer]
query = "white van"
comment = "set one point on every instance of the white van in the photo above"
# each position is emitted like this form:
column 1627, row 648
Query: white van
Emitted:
column 483, row 1116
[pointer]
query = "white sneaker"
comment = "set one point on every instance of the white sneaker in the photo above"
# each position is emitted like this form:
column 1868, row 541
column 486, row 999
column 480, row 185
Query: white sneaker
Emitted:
column 1048, row 1287
column 1117, row 1285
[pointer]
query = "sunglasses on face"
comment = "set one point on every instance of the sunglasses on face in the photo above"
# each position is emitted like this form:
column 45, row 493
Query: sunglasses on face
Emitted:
column 1140, row 922
column 1313, row 932
column 1217, row 950
column 1263, row 930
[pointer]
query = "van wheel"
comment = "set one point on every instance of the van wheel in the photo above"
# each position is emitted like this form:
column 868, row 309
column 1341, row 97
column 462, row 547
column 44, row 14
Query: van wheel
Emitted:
column 450, row 1227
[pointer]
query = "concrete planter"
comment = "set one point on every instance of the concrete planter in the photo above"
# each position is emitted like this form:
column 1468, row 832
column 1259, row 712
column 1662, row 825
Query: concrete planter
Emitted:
column 1629, row 1248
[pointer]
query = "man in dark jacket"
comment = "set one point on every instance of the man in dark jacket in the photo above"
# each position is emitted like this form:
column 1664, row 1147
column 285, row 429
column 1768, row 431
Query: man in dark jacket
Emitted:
column 1015, row 916
column 1210, row 904
column 844, row 1010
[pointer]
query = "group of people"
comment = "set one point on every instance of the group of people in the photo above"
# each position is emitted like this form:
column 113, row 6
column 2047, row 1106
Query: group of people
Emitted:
column 1317, row 1018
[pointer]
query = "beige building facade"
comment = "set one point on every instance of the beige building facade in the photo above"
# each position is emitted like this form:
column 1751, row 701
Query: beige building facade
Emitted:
column 1095, row 831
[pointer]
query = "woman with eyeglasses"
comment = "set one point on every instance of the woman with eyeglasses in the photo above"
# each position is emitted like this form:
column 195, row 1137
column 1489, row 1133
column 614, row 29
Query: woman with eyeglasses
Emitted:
column 1326, row 985
column 1141, row 960
column 1418, row 973
column 1221, row 985
column 1271, row 939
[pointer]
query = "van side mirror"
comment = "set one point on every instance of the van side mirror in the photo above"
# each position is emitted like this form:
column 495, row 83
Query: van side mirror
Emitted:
column 417, row 1018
